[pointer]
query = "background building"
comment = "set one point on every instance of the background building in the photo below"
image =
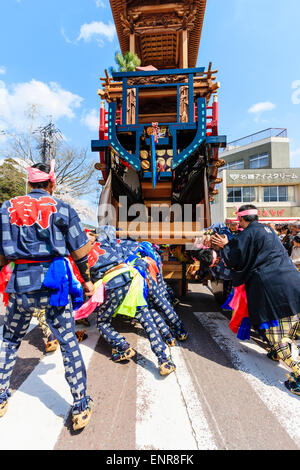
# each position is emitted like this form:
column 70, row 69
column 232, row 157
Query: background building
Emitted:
column 258, row 171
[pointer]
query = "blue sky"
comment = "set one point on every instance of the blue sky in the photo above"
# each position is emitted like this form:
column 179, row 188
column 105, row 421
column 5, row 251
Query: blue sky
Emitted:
column 53, row 53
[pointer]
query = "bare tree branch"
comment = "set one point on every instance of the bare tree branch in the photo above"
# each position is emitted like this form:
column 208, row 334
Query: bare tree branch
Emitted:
column 73, row 167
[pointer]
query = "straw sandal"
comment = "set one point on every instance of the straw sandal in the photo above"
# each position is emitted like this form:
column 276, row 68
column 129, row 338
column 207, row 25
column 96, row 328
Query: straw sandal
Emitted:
column 293, row 384
column 4, row 395
column 119, row 356
column 3, row 408
column 171, row 342
column 166, row 368
column 81, row 336
column 82, row 419
column 271, row 354
column 52, row 346
column 182, row 336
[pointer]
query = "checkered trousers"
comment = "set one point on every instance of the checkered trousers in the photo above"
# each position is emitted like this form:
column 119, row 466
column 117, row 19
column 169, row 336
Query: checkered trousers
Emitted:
column 159, row 302
column 60, row 320
column 164, row 330
column 105, row 314
column 280, row 337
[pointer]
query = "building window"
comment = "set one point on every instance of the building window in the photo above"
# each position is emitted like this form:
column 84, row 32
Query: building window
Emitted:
column 279, row 193
column 260, row 161
column 239, row 165
column 241, row 194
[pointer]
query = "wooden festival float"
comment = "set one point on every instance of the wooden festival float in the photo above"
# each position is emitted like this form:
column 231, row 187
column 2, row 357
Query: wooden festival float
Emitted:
column 158, row 134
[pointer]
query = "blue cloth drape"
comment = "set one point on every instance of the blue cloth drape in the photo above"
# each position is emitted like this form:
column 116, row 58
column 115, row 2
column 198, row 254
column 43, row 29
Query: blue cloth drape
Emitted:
column 62, row 281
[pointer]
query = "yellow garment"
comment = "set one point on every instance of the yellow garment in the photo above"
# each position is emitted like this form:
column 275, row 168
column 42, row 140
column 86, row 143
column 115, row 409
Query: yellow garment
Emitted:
column 108, row 277
column 134, row 297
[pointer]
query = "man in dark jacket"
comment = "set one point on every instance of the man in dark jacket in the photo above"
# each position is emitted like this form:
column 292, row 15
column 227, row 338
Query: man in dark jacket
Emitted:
column 258, row 259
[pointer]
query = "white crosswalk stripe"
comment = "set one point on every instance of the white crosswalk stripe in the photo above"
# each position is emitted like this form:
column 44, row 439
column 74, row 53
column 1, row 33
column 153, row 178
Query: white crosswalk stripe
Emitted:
column 38, row 409
column 169, row 411
column 265, row 377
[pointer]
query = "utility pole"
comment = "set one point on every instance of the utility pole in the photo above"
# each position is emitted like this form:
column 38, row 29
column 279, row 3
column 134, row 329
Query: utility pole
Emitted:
column 49, row 135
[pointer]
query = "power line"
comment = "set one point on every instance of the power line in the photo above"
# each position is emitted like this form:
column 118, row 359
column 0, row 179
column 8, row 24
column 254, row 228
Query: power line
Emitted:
column 49, row 136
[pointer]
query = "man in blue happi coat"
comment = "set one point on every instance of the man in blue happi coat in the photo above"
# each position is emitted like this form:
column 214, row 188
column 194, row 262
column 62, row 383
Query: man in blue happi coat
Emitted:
column 158, row 295
column 106, row 258
column 259, row 261
column 38, row 232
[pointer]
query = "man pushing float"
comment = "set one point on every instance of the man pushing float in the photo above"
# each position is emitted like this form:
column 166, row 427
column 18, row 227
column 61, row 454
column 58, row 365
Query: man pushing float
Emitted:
column 259, row 262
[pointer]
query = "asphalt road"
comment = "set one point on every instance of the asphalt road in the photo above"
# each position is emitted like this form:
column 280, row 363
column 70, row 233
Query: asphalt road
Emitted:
column 225, row 394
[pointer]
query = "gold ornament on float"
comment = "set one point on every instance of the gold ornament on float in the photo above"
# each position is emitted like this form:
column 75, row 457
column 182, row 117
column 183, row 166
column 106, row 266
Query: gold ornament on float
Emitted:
column 145, row 165
column 144, row 154
column 149, row 130
column 169, row 162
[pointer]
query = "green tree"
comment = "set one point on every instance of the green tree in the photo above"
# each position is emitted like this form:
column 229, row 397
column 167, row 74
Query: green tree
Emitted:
column 126, row 62
column 12, row 180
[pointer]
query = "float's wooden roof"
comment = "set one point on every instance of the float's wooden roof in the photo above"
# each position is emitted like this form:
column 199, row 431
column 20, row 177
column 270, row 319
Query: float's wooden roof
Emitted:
column 204, row 84
column 157, row 25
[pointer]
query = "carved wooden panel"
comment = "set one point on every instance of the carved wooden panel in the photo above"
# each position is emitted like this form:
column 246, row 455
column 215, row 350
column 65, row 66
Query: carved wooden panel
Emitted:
column 184, row 104
column 157, row 80
column 131, row 106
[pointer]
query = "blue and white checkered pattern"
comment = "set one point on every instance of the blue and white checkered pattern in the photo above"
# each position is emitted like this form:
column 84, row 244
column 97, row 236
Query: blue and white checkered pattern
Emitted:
column 128, row 247
column 64, row 235
column 61, row 322
column 144, row 317
column 111, row 257
column 221, row 271
column 105, row 314
column 164, row 330
column 159, row 302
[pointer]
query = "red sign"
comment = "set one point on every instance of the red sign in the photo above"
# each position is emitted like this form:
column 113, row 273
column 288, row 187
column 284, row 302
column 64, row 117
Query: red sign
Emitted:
column 27, row 211
column 94, row 254
column 271, row 213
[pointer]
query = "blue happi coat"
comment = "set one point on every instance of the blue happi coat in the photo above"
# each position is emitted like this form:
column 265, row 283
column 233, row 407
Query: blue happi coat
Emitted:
column 105, row 255
column 40, row 227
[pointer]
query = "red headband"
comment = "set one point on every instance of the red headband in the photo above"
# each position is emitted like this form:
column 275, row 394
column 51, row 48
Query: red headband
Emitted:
column 38, row 176
column 248, row 212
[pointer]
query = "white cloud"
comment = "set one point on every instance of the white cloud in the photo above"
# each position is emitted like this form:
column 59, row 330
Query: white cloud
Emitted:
column 100, row 3
column 97, row 30
column 91, row 120
column 49, row 99
column 2, row 70
column 261, row 107
column 296, row 94
column 66, row 38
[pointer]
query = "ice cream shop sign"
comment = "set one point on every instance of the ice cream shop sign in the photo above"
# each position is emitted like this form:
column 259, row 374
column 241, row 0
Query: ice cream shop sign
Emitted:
column 264, row 177
column 270, row 212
